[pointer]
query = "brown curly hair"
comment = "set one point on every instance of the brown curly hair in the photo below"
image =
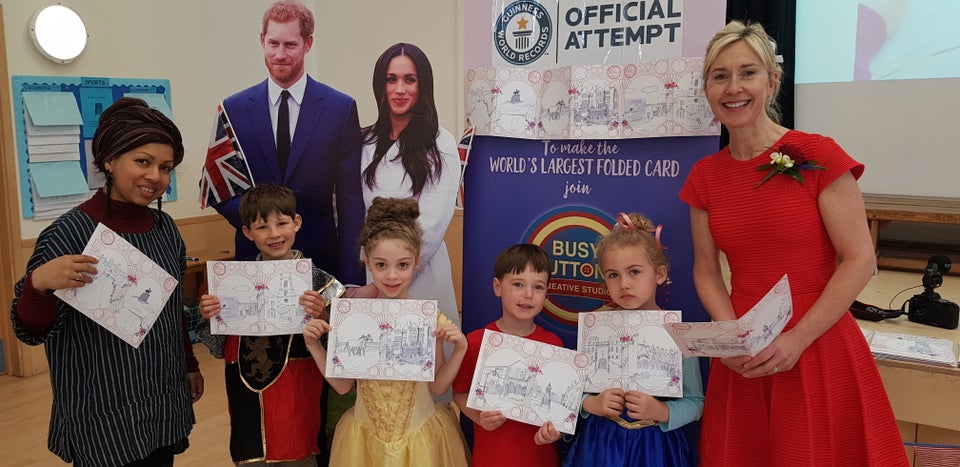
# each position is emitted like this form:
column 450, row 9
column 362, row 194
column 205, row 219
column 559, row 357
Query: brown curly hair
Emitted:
column 392, row 219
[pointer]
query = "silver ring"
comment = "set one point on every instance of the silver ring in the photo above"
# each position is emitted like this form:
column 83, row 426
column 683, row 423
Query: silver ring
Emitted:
column 775, row 370
column 79, row 277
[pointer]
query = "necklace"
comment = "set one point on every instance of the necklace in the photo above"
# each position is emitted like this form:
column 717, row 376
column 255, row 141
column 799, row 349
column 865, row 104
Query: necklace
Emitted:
column 772, row 134
column 750, row 155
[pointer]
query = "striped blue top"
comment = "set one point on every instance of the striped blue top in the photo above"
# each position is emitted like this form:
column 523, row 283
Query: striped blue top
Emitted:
column 113, row 403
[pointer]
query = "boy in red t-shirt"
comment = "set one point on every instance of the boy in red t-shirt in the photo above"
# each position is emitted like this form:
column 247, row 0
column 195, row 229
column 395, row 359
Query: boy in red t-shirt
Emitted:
column 521, row 274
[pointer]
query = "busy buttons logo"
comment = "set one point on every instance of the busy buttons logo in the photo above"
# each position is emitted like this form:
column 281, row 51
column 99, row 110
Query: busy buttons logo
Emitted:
column 522, row 32
column 569, row 236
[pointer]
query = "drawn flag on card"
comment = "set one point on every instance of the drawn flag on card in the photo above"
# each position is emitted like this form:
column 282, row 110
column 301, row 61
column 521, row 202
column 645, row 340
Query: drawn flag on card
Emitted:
column 382, row 338
column 747, row 335
column 259, row 298
column 129, row 291
column 464, row 150
column 528, row 381
column 225, row 172
column 631, row 350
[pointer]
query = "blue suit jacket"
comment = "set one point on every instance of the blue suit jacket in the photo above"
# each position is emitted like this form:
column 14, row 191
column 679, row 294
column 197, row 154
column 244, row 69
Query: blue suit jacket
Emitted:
column 324, row 159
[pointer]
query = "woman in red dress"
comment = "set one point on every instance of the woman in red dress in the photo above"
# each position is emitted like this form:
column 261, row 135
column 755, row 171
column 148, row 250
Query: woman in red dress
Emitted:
column 779, row 201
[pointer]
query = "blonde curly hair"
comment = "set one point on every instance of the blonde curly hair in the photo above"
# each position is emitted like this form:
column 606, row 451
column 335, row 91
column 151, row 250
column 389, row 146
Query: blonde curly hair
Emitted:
column 634, row 229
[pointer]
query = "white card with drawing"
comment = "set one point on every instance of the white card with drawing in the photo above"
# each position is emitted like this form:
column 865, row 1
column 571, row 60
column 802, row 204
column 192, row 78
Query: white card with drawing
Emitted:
column 750, row 334
column 381, row 338
column 259, row 298
column 528, row 381
column 631, row 350
column 129, row 291
column 913, row 348
column 590, row 101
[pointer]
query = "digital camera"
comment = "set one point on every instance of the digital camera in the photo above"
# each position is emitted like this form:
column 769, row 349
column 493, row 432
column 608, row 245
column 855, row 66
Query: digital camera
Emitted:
column 933, row 311
column 928, row 308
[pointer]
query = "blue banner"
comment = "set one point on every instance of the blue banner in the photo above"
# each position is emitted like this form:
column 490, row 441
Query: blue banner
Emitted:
column 564, row 195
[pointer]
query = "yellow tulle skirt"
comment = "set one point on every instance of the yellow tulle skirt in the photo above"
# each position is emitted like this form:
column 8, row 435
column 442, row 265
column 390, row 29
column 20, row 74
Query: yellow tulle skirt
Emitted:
column 437, row 442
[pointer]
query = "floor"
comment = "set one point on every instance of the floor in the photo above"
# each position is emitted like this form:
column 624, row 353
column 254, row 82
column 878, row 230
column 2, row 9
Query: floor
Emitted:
column 25, row 414
column 25, row 402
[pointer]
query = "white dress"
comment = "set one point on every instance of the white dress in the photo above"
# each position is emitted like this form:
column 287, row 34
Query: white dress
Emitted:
column 434, row 279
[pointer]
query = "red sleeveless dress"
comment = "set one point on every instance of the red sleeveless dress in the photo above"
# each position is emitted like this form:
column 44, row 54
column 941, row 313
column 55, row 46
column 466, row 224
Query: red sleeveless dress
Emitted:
column 831, row 409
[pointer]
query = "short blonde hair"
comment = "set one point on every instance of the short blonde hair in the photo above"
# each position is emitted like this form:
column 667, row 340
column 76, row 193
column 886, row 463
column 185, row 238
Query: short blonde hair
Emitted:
column 757, row 38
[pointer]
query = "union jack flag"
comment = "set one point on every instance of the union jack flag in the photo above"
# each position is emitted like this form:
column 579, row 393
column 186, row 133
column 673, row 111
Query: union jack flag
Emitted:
column 225, row 172
column 466, row 141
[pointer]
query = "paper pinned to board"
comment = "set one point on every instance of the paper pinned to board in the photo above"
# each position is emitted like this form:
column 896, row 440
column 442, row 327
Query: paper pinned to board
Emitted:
column 155, row 101
column 52, row 108
column 58, row 178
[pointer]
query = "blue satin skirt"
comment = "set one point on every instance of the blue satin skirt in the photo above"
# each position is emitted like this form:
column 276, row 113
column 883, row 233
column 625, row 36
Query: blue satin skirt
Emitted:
column 603, row 442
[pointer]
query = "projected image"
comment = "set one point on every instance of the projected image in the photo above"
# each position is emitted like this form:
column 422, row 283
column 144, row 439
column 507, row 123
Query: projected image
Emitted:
column 877, row 40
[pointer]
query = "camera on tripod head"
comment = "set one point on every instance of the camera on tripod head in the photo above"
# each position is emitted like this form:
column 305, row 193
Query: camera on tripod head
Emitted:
column 927, row 307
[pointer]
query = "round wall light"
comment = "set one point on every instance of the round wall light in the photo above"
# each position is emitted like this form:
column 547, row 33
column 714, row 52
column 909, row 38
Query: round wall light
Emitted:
column 58, row 32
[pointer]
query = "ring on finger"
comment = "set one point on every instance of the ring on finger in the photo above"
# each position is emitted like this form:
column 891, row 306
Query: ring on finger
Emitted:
column 775, row 370
column 79, row 277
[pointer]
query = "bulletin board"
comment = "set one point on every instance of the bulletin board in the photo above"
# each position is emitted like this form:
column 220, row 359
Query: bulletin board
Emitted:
column 54, row 113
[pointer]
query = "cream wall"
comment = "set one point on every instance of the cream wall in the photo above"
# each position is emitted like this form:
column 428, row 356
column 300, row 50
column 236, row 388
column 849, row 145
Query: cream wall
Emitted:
column 359, row 36
column 210, row 48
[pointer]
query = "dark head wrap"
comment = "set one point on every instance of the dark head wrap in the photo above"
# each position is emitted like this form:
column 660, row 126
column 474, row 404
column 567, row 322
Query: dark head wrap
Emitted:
column 126, row 125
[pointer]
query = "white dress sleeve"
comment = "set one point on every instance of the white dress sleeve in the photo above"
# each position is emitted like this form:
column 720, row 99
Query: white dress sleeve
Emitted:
column 437, row 200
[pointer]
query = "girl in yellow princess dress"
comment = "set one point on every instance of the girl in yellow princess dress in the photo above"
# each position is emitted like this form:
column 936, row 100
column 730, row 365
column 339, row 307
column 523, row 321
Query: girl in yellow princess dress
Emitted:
column 396, row 423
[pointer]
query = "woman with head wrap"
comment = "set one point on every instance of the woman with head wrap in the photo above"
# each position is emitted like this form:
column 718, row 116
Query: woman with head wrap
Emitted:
column 114, row 404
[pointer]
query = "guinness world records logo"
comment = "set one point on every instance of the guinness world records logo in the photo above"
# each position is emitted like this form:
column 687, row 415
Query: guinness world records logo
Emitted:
column 569, row 236
column 522, row 32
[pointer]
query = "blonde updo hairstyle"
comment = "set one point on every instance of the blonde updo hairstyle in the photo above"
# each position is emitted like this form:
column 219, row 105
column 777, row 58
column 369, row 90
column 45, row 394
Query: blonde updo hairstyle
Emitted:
column 392, row 219
column 633, row 230
column 757, row 38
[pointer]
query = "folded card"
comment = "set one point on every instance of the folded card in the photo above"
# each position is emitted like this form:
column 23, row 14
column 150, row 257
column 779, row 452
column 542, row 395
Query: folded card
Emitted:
column 750, row 334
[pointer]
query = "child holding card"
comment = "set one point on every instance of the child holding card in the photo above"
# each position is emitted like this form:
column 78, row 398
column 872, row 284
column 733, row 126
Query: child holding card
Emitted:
column 273, row 388
column 521, row 274
column 630, row 428
column 396, row 423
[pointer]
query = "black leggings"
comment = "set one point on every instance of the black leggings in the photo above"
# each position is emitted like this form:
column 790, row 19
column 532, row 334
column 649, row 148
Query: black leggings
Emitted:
column 162, row 456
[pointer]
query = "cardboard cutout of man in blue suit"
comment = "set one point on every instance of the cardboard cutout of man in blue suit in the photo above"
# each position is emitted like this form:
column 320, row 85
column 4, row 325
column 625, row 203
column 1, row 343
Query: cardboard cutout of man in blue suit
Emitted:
column 324, row 156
